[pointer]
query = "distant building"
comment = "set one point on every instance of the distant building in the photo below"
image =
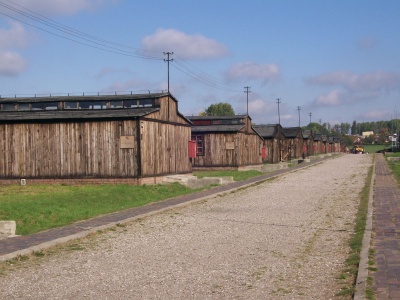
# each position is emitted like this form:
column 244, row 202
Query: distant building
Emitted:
column 225, row 142
column 367, row 133
column 273, row 142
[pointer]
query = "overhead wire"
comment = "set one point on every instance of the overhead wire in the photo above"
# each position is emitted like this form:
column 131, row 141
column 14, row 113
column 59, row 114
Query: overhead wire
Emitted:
column 202, row 74
column 95, row 42
column 81, row 38
column 52, row 23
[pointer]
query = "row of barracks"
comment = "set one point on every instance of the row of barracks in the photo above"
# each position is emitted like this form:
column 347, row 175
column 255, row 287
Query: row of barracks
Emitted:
column 128, row 138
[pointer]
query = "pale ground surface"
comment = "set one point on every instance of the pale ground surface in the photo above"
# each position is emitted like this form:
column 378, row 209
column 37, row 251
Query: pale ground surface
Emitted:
column 283, row 239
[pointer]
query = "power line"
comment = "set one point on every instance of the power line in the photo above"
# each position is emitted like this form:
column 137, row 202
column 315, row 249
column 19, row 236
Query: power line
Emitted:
column 203, row 80
column 199, row 73
column 77, row 36
column 104, row 48
column 68, row 33
column 46, row 21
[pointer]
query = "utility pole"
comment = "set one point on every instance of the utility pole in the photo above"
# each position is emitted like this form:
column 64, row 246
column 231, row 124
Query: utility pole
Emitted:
column 168, row 60
column 298, row 108
column 278, row 100
column 310, row 114
column 247, row 92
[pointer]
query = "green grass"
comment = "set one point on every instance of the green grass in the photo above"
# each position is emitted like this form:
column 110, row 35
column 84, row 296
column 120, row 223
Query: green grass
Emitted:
column 40, row 207
column 237, row 175
column 355, row 242
column 374, row 148
column 395, row 166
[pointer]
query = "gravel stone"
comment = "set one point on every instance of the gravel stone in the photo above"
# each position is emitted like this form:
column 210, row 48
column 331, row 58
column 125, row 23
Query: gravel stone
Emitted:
column 286, row 238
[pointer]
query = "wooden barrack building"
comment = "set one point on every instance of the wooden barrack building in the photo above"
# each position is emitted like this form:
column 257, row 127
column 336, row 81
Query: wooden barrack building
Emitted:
column 104, row 136
column 293, row 145
column 225, row 142
column 273, row 141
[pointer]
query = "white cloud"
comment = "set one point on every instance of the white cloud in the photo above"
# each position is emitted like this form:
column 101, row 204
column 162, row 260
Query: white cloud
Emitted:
column 352, row 82
column 259, row 106
column 11, row 64
column 14, row 37
column 333, row 98
column 253, row 71
column 351, row 88
column 61, row 7
column 184, row 45
column 376, row 115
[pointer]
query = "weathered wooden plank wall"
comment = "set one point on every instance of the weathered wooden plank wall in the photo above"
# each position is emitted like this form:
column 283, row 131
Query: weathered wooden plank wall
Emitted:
column 164, row 148
column 249, row 146
column 218, row 152
column 67, row 149
column 168, row 111
column 215, row 151
column 92, row 149
column 309, row 146
column 273, row 150
column 317, row 147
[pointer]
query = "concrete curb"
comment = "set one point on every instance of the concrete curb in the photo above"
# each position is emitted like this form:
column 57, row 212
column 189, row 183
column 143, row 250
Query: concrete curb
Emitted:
column 84, row 233
column 362, row 276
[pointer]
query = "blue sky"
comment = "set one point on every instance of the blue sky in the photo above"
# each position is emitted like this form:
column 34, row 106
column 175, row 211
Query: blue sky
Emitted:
column 338, row 60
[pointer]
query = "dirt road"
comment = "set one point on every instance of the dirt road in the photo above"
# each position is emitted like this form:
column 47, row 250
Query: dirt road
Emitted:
column 283, row 239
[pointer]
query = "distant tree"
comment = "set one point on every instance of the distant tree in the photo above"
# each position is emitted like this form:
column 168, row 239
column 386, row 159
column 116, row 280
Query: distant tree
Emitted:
column 336, row 128
column 347, row 141
column 354, row 128
column 384, row 131
column 368, row 140
column 345, row 128
column 317, row 128
column 219, row 109
column 382, row 138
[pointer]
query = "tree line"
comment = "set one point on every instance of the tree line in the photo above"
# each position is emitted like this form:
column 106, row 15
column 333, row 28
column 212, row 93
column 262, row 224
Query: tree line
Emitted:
column 382, row 129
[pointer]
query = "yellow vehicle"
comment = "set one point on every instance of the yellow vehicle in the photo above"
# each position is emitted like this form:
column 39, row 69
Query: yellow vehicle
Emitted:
column 358, row 149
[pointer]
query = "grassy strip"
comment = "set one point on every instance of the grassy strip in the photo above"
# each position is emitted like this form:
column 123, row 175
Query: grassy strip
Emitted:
column 237, row 175
column 395, row 166
column 374, row 148
column 349, row 274
column 40, row 207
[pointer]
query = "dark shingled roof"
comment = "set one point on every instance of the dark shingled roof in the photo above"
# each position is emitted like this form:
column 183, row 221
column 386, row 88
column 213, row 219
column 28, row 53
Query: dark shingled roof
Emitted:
column 266, row 131
column 291, row 132
column 193, row 118
column 71, row 114
column 217, row 128
column 83, row 98
column 77, row 114
column 317, row 137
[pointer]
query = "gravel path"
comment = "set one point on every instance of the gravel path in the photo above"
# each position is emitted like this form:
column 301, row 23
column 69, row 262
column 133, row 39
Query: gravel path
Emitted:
column 282, row 239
